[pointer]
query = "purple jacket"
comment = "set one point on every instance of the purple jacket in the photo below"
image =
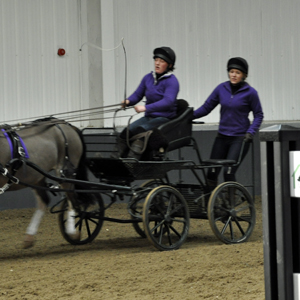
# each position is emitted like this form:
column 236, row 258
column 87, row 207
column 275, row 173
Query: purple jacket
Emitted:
column 160, row 95
column 234, row 110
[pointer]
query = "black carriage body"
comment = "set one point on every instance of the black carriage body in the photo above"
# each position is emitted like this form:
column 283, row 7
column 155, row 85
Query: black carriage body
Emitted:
column 100, row 143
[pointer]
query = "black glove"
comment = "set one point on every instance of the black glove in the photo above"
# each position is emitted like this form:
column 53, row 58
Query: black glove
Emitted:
column 248, row 137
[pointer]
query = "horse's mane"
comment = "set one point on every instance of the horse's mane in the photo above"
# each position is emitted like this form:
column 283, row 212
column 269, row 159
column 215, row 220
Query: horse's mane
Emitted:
column 44, row 120
column 47, row 121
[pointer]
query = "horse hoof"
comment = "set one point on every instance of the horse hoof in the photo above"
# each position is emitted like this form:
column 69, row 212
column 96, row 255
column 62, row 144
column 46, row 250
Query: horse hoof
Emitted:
column 75, row 236
column 28, row 241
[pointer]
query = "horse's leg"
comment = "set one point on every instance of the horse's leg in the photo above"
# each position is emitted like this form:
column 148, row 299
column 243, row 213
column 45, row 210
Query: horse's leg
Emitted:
column 70, row 228
column 42, row 200
column 70, row 225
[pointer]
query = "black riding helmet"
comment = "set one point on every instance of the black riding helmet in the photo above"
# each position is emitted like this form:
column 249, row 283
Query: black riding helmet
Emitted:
column 165, row 53
column 237, row 63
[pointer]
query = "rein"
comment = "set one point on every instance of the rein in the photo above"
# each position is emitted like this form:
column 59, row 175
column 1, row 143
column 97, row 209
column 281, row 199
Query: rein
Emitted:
column 104, row 186
column 77, row 116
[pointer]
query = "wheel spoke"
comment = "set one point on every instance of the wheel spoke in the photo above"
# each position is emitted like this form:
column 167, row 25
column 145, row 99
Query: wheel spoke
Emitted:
column 224, row 209
column 246, row 207
column 176, row 209
column 87, row 227
column 220, row 219
column 157, row 205
column 226, row 225
column 170, row 204
column 156, row 226
column 79, row 224
column 175, row 231
column 246, row 218
column 240, row 228
column 169, row 236
column 231, row 197
column 93, row 221
column 161, row 233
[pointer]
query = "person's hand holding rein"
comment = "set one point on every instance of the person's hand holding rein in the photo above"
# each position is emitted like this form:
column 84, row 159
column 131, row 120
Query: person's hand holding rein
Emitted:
column 138, row 108
column 124, row 103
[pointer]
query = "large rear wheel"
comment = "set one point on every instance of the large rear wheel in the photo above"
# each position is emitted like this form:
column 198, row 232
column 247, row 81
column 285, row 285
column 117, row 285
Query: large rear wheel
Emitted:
column 81, row 225
column 166, row 218
column 231, row 213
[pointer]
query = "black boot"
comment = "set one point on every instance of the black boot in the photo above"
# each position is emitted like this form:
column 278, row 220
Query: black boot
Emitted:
column 120, row 148
column 136, row 149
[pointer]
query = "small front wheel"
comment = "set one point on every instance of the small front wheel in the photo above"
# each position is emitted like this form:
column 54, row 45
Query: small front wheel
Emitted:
column 136, row 207
column 166, row 218
column 231, row 213
column 81, row 224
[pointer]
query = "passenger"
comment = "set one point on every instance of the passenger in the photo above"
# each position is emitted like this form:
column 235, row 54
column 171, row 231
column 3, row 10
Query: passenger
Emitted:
column 160, row 89
column 237, row 99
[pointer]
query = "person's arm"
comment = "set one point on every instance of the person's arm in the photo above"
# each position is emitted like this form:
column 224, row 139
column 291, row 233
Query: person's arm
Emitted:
column 169, row 99
column 211, row 102
column 138, row 95
column 258, row 114
column 140, row 108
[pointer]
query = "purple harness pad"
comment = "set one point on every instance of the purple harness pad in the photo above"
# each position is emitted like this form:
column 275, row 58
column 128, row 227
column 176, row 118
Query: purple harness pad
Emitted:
column 11, row 144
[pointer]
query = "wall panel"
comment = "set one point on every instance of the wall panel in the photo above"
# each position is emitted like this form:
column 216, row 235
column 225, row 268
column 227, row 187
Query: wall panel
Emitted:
column 34, row 80
column 205, row 34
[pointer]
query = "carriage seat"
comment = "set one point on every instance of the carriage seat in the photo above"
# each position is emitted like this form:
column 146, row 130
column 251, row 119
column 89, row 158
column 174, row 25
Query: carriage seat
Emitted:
column 178, row 131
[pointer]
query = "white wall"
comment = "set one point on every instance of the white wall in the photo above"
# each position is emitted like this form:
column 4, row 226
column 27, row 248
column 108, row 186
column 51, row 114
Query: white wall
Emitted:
column 35, row 81
column 204, row 35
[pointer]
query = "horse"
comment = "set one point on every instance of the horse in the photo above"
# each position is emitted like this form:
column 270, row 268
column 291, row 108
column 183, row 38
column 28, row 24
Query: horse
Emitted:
column 51, row 144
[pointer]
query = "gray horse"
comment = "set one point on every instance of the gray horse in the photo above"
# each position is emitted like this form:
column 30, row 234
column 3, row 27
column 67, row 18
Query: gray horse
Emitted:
column 51, row 144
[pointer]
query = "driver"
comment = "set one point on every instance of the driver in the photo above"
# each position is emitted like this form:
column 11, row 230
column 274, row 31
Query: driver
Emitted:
column 160, row 88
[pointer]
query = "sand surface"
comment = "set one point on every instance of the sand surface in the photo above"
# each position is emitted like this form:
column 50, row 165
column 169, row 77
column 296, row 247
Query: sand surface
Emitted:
column 119, row 264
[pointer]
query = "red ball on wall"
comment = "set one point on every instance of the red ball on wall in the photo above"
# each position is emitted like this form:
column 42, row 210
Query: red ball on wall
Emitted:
column 61, row 52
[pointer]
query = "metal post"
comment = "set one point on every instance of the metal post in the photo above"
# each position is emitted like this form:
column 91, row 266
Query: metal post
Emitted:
column 283, row 221
column 279, row 224
column 270, row 266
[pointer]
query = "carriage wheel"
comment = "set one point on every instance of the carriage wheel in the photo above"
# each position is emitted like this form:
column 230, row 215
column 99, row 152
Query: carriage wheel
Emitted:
column 231, row 213
column 166, row 218
column 87, row 219
column 137, row 207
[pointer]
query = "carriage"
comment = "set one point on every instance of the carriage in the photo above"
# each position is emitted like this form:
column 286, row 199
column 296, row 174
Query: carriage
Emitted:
column 159, row 207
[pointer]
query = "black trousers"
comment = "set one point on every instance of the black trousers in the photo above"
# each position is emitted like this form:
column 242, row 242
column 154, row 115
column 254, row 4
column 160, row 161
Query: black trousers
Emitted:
column 227, row 147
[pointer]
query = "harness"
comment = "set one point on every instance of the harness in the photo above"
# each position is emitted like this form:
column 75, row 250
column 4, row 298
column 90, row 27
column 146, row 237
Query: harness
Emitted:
column 19, row 155
column 68, row 169
column 17, row 148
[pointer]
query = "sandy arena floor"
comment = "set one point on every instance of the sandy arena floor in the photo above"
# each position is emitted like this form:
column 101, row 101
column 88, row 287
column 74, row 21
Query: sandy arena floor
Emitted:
column 119, row 264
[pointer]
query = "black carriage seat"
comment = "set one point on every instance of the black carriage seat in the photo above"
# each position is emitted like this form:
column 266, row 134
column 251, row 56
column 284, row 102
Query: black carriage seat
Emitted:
column 226, row 162
column 178, row 131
